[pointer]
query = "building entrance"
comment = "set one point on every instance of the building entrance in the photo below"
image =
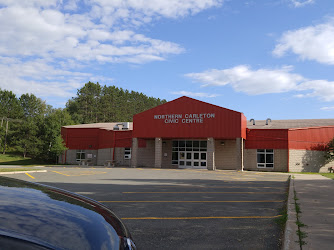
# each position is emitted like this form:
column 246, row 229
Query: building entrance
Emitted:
column 190, row 153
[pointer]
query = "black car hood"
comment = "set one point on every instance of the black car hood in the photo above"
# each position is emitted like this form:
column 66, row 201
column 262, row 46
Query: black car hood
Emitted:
column 56, row 218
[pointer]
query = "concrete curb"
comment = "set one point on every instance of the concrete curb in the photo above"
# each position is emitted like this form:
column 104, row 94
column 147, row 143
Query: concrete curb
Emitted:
column 23, row 172
column 291, row 241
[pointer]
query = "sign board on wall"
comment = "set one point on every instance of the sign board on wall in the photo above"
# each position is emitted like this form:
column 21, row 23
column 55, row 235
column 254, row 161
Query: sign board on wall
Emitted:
column 184, row 118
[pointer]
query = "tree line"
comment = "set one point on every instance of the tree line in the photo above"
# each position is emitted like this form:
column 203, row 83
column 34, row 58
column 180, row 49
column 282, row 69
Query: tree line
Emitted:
column 30, row 126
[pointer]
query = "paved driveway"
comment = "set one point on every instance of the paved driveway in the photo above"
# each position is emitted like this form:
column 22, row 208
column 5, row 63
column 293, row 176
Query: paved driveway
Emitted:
column 183, row 209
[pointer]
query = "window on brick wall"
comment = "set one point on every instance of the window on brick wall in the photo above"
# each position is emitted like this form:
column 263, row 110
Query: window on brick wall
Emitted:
column 127, row 153
column 81, row 155
column 265, row 158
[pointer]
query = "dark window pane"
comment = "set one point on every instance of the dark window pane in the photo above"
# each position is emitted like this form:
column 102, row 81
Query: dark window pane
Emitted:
column 269, row 150
column 203, row 156
column 188, row 156
column 175, row 162
column 182, row 144
column 188, row 163
column 269, row 158
column 196, row 156
column 195, row 149
column 175, row 144
column 261, row 158
column 260, row 150
column 196, row 144
column 196, row 163
column 181, row 163
column 175, row 156
column 203, row 164
column 203, row 144
column 260, row 165
column 182, row 149
column 189, row 143
column 175, row 149
column 270, row 165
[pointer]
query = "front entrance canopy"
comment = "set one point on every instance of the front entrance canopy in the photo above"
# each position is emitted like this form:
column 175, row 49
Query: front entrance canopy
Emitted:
column 189, row 118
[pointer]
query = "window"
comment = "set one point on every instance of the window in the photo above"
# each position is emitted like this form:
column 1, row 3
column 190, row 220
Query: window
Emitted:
column 127, row 153
column 265, row 158
column 81, row 155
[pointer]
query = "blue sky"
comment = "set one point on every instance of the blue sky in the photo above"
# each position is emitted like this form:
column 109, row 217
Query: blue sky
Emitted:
column 265, row 58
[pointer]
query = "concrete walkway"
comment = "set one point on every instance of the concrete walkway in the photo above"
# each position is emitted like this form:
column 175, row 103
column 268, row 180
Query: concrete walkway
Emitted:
column 315, row 194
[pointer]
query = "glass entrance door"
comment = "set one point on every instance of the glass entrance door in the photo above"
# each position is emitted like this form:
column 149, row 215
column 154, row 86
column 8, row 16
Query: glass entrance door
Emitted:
column 192, row 160
column 190, row 153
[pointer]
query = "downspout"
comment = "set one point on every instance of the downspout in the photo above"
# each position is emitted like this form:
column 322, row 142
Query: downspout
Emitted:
column 66, row 146
column 288, row 152
column 113, row 151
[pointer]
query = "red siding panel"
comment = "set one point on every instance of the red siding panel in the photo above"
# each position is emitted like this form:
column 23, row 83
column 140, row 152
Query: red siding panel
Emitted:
column 82, row 138
column 310, row 138
column 267, row 139
column 95, row 138
column 189, row 118
column 123, row 139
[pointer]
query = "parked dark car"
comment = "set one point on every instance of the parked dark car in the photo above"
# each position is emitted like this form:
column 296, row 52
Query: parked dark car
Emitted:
column 35, row 216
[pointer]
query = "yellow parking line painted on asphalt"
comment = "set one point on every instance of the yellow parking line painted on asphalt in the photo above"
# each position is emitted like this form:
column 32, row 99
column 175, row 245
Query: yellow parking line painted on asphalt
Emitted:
column 200, row 218
column 203, row 192
column 30, row 176
column 190, row 201
column 88, row 174
column 60, row 173
column 84, row 173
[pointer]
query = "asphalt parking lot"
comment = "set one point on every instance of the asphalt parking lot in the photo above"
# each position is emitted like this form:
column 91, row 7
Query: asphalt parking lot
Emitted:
column 183, row 209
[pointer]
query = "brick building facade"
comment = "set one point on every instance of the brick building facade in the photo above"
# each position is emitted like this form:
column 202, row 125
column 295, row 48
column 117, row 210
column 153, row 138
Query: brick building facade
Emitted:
column 187, row 133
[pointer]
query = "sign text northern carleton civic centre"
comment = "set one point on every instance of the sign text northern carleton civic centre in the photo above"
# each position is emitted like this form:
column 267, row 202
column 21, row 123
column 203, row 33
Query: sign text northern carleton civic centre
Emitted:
column 184, row 118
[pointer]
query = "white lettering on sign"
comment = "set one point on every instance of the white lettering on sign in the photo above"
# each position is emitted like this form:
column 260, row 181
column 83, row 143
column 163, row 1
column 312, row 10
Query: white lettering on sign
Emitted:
column 185, row 118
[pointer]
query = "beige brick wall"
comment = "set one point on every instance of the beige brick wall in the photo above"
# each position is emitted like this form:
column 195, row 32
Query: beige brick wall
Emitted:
column 167, row 154
column 280, row 160
column 226, row 155
column 119, row 158
column 308, row 161
column 71, row 156
column 104, row 154
column 146, row 155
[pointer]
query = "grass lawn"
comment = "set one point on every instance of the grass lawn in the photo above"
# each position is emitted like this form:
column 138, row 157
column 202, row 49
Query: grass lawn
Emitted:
column 14, row 169
column 329, row 175
column 15, row 159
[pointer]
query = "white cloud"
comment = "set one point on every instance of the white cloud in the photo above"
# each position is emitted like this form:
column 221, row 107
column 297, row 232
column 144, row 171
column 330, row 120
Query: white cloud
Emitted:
column 41, row 77
column 318, row 88
column 298, row 3
column 44, row 43
column 253, row 82
column 154, row 8
column 311, row 43
column 194, row 94
column 327, row 108
column 266, row 81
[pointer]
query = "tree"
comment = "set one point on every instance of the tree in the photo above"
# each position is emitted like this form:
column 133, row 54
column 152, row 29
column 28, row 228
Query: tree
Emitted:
column 96, row 103
column 53, row 144
column 10, row 109
column 28, row 134
column 330, row 151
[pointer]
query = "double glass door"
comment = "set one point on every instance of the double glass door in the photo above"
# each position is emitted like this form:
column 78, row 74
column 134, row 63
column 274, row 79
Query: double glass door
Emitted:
column 192, row 159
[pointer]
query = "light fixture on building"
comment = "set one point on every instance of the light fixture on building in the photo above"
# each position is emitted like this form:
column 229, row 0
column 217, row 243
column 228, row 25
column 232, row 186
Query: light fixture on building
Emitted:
column 222, row 143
